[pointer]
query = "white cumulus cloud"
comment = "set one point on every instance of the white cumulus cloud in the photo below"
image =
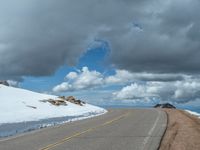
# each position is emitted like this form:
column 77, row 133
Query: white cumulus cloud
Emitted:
column 71, row 76
column 176, row 91
column 178, row 88
column 136, row 91
column 62, row 87
column 85, row 79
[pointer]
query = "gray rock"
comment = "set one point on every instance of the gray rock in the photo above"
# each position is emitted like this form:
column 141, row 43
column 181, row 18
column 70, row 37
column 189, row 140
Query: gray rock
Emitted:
column 4, row 82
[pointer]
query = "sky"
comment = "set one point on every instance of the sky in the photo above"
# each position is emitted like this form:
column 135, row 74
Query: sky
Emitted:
column 131, row 52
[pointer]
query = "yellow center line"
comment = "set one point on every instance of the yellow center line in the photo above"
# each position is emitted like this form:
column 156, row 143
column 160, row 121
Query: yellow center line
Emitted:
column 50, row 146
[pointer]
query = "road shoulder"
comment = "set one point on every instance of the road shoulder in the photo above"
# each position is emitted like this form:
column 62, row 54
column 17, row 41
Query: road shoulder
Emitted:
column 182, row 133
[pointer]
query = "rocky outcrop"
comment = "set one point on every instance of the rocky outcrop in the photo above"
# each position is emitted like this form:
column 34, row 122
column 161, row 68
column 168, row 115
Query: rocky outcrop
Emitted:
column 165, row 105
column 55, row 102
column 4, row 82
column 72, row 100
column 62, row 100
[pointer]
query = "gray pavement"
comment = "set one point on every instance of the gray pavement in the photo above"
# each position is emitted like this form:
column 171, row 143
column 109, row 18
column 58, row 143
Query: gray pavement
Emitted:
column 119, row 129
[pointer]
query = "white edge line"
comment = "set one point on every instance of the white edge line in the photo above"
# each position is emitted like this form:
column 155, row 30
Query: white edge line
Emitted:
column 146, row 139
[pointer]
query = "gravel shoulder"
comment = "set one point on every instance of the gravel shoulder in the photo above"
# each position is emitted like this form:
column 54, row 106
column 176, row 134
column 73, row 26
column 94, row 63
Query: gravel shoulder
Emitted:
column 183, row 131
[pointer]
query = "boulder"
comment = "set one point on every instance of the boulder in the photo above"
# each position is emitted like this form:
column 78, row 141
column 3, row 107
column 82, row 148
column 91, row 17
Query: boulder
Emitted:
column 74, row 100
column 71, row 99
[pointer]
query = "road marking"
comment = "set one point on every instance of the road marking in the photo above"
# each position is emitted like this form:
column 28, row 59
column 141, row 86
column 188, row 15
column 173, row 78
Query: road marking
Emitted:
column 50, row 146
column 151, row 131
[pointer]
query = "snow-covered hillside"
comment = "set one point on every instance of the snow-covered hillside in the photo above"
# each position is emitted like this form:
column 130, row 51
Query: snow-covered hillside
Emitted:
column 19, row 105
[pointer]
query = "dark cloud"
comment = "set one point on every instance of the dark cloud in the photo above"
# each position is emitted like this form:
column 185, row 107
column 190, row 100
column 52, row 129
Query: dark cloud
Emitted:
column 169, row 41
column 36, row 37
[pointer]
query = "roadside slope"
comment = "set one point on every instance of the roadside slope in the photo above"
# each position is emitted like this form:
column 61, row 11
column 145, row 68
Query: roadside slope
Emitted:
column 23, row 110
column 183, row 131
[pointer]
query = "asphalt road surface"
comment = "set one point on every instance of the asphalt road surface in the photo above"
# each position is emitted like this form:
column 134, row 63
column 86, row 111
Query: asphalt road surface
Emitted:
column 119, row 129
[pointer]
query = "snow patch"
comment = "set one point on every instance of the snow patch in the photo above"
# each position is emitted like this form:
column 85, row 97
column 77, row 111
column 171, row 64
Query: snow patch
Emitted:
column 193, row 113
column 22, row 110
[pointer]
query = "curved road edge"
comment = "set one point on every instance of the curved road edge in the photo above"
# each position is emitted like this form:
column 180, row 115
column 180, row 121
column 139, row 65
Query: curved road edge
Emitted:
column 157, row 132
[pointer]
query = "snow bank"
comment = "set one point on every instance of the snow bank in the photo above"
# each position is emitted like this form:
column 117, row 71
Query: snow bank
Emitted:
column 21, row 110
column 193, row 113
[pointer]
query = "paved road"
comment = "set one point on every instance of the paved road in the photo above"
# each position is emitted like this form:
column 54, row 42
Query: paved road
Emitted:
column 119, row 129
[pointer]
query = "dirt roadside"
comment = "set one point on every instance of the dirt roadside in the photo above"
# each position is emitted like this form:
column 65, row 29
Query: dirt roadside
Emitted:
column 183, row 131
